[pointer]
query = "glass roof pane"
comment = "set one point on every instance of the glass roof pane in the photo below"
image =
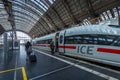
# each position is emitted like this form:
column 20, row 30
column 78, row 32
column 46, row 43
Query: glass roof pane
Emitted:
column 27, row 6
column 24, row 11
column 24, row 19
column 32, row 7
column 43, row 5
column 36, row 18
column 1, row 6
column 39, row 3
column 6, row 25
column 51, row 1
column 3, row 12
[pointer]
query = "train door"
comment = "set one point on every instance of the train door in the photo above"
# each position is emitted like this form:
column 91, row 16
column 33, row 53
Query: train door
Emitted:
column 56, row 42
column 61, row 42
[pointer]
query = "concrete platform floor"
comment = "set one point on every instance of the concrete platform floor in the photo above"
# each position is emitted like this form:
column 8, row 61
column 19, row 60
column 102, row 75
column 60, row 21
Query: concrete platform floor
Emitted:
column 14, row 66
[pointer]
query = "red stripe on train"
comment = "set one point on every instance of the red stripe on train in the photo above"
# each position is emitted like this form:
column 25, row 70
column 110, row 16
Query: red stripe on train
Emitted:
column 47, row 45
column 44, row 45
column 69, row 47
column 113, row 51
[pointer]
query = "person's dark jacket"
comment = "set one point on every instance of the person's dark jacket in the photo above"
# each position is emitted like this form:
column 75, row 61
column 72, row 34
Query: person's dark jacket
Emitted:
column 27, row 45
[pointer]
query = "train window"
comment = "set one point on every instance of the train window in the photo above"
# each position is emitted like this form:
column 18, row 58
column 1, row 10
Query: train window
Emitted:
column 116, row 42
column 44, row 41
column 96, row 39
column 61, row 39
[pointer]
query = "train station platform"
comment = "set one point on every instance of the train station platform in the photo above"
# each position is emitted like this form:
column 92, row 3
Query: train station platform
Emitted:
column 14, row 66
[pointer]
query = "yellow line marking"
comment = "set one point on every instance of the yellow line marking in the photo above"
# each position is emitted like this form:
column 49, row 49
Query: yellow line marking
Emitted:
column 9, row 70
column 24, row 73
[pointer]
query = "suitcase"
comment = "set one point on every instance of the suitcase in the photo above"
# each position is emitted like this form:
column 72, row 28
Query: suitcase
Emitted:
column 33, row 58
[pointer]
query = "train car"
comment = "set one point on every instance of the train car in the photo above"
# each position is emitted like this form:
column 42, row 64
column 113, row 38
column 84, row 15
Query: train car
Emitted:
column 96, row 42
column 44, row 42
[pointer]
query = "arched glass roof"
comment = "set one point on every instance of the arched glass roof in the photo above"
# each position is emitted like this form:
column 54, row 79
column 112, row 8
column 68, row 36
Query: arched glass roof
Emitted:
column 42, row 17
column 25, row 12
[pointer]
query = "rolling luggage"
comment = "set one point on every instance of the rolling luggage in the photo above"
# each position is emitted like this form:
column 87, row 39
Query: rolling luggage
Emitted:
column 32, row 57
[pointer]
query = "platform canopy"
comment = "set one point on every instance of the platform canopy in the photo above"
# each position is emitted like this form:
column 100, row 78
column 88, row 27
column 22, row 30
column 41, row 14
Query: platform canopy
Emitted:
column 42, row 17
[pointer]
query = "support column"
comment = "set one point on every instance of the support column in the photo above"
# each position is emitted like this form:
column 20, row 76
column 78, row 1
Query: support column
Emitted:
column 5, row 43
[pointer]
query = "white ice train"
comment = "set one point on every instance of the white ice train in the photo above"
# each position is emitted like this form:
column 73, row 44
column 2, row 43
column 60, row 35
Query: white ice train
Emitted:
column 96, row 42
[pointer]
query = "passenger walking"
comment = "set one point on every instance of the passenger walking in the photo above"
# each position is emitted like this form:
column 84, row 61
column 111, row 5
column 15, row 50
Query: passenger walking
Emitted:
column 28, row 48
column 52, row 47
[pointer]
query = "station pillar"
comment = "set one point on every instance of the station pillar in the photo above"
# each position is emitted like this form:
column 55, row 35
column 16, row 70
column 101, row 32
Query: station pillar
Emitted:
column 5, row 42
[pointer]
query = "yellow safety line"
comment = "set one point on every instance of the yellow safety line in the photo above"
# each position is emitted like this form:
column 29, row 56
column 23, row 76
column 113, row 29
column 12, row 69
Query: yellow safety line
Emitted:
column 24, row 73
column 9, row 70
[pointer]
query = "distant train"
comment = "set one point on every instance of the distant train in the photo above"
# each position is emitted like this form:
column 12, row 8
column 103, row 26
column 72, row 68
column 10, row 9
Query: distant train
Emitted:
column 94, row 42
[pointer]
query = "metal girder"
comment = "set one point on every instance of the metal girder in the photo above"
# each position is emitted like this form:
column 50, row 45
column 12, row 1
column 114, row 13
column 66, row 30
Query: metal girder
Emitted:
column 35, row 31
column 106, row 6
column 55, row 27
column 1, row 29
column 39, row 31
column 55, row 11
column 90, row 9
column 43, row 26
column 8, row 8
column 67, row 7
column 42, row 31
column 31, row 33
column 34, row 35
column 79, row 1
column 40, row 28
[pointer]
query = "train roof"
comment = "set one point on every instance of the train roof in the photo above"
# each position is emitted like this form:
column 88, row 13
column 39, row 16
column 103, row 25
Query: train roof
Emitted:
column 50, row 36
column 88, row 29
column 93, row 29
